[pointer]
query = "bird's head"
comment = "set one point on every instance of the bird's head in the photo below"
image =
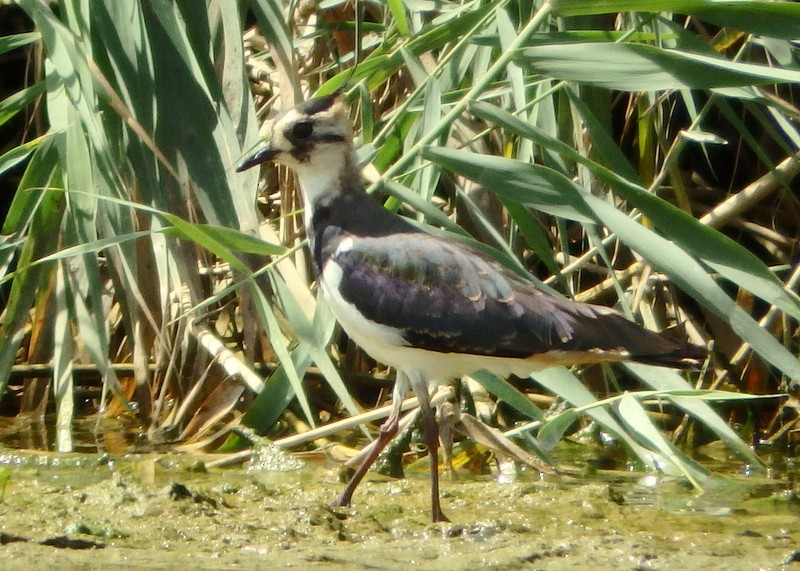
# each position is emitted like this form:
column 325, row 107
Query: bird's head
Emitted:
column 312, row 135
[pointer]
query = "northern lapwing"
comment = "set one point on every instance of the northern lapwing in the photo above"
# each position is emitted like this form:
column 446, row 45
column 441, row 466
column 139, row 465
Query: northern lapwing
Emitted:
column 429, row 306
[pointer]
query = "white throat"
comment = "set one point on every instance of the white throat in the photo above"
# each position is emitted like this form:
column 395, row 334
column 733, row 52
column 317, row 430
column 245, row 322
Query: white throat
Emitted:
column 321, row 179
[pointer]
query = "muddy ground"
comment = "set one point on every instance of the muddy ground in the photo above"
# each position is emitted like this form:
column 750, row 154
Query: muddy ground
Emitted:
column 158, row 511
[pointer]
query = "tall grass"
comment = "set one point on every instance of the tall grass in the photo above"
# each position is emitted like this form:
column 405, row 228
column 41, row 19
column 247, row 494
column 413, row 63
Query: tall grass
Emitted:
column 643, row 159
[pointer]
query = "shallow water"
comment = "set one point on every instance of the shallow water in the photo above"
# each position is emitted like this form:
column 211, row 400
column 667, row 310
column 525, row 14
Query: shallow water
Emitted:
column 165, row 511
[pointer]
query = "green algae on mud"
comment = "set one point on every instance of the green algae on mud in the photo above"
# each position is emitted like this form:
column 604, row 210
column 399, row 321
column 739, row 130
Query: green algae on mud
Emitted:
column 156, row 511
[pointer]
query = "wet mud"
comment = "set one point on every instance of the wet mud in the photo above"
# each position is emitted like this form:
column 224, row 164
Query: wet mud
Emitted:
column 167, row 511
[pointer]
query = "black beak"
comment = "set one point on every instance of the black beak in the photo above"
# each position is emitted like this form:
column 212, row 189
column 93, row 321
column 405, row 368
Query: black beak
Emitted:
column 260, row 156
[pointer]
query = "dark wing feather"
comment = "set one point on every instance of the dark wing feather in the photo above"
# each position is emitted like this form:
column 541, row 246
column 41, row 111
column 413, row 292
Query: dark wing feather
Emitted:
column 446, row 297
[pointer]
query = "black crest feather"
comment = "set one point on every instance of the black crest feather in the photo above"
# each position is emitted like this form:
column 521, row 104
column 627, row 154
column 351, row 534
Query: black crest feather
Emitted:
column 318, row 104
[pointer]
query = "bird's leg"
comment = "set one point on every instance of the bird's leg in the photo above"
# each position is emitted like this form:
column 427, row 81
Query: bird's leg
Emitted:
column 387, row 431
column 447, row 417
column 432, row 438
column 420, row 386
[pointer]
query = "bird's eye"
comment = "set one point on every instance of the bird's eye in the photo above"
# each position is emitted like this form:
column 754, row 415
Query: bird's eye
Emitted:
column 302, row 130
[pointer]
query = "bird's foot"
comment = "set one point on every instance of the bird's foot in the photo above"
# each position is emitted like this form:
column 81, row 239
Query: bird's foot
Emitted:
column 439, row 517
column 340, row 502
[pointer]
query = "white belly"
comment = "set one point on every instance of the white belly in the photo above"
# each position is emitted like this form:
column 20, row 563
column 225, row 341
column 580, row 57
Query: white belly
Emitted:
column 386, row 344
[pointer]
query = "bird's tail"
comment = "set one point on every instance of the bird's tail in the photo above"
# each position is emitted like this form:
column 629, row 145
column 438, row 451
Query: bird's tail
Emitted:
column 684, row 356
column 610, row 331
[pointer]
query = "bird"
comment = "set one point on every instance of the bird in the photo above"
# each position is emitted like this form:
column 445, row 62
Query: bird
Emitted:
column 430, row 306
